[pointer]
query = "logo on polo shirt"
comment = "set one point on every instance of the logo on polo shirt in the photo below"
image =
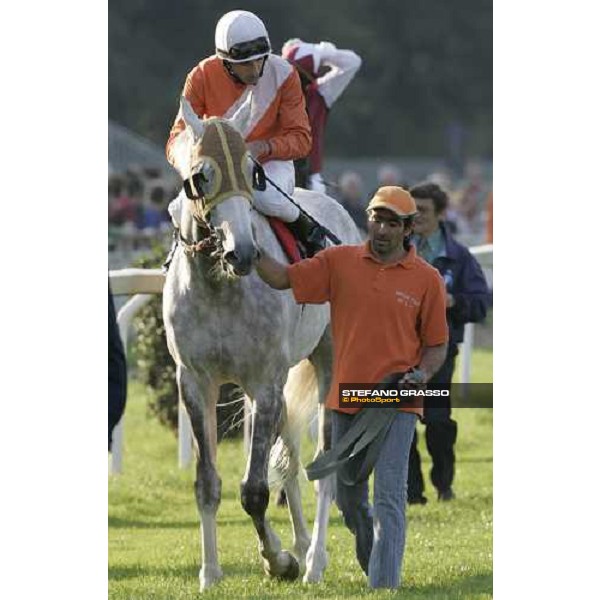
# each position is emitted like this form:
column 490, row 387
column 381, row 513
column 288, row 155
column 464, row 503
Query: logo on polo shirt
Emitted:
column 407, row 299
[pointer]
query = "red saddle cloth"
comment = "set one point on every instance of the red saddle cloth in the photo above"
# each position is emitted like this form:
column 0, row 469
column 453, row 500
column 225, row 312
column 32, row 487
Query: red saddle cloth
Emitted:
column 286, row 239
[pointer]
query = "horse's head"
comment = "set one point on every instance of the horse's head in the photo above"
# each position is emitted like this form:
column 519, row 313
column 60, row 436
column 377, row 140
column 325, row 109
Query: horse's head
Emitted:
column 217, row 172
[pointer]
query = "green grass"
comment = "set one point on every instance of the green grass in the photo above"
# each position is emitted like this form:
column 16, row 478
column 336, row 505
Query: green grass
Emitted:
column 154, row 538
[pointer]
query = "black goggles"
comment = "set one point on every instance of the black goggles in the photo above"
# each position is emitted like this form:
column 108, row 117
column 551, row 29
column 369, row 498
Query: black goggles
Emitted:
column 246, row 50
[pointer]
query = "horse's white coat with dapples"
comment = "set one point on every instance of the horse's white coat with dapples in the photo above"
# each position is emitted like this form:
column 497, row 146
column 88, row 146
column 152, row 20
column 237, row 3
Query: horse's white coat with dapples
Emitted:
column 222, row 328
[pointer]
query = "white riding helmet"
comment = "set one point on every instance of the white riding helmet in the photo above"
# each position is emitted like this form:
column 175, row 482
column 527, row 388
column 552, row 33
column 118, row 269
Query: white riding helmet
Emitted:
column 241, row 36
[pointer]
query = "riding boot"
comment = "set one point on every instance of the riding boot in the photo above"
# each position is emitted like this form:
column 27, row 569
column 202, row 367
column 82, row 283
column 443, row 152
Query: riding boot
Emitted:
column 169, row 259
column 309, row 233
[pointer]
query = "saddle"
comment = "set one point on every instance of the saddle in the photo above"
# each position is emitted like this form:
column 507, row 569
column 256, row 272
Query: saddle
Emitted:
column 301, row 239
column 286, row 238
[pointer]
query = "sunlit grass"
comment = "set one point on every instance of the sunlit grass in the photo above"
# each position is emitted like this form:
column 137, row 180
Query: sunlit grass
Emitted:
column 154, row 537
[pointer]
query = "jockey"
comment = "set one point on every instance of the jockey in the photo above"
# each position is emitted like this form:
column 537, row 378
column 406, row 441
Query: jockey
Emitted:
column 325, row 72
column 278, row 130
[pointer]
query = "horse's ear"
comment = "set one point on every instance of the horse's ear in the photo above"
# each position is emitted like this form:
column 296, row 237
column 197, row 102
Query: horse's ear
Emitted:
column 191, row 118
column 241, row 119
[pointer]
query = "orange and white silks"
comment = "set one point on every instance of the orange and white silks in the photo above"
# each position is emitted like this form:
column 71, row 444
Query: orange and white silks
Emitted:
column 278, row 107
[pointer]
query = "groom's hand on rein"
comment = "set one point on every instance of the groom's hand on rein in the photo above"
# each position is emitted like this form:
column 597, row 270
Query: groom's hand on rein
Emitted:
column 414, row 379
column 273, row 273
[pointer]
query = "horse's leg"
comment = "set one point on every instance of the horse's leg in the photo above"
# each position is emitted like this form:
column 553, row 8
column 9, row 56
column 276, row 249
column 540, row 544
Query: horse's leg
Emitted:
column 254, row 488
column 316, row 557
column 301, row 539
column 200, row 399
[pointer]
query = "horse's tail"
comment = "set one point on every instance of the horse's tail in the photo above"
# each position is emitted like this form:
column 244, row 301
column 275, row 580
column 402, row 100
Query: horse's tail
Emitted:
column 301, row 401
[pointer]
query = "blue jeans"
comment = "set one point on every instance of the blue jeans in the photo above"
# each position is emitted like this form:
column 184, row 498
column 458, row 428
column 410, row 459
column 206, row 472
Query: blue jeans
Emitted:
column 380, row 531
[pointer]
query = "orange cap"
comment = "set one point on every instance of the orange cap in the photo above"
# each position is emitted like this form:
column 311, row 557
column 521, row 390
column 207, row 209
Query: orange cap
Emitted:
column 394, row 198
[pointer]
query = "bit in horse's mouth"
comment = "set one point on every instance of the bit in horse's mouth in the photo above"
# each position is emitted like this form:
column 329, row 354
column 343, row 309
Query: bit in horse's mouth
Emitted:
column 229, row 271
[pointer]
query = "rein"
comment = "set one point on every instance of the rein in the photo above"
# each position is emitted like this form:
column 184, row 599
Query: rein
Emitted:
column 209, row 242
column 260, row 176
column 206, row 245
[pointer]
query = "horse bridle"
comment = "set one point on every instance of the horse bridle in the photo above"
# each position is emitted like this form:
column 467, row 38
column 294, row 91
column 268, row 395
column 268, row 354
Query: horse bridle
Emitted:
column 209, row 242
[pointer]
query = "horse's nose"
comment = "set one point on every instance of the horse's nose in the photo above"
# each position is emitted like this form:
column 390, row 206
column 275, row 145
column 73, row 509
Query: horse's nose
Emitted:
column 242, row 265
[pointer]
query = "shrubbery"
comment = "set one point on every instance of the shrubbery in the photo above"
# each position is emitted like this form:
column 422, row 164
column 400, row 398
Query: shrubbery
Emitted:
column 155, row 367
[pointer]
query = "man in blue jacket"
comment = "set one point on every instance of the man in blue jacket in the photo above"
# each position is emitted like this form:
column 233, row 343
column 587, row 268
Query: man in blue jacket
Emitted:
column 467, row 299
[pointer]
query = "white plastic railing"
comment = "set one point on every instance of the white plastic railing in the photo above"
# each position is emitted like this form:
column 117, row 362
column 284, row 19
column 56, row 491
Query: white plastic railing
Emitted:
column 144, row 283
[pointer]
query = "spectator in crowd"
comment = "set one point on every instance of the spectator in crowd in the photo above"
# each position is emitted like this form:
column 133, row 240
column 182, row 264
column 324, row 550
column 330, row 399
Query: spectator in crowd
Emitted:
column 154, row 213
column 470, row 199
column 325, row 72
column 351, row 197
column 375, row 336
column 126, row 206
column 442, row 178
column 467, row 299
column 115, row 184
column 451, row 216
column 137, row 208
column 151, row 173
column 241, row 68
column 388, row 174
column 117, row 371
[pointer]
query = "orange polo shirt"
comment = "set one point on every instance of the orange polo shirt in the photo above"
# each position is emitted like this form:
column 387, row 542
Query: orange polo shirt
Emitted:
column 381, row 314
column 278, row 107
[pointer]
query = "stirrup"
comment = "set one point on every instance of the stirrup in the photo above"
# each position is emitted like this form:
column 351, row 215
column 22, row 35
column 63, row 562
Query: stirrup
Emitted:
column 310, row 235
column 315, row 240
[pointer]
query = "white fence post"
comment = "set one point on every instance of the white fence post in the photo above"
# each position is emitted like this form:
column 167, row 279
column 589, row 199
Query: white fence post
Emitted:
column 485, row 256
column 466, row 353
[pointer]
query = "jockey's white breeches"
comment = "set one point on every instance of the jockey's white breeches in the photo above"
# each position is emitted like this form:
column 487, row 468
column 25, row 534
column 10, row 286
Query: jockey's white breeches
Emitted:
column 270, row 202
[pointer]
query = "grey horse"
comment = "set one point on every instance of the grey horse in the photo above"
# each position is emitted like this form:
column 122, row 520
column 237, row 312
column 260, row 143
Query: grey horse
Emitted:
column 224, row 324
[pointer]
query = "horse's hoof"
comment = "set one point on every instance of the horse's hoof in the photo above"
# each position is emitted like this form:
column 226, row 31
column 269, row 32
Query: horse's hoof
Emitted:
column 315, row 567
column 300, row 550
column 209, row 575
column 292, row 571
column 312, row 577
column 289, row 570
